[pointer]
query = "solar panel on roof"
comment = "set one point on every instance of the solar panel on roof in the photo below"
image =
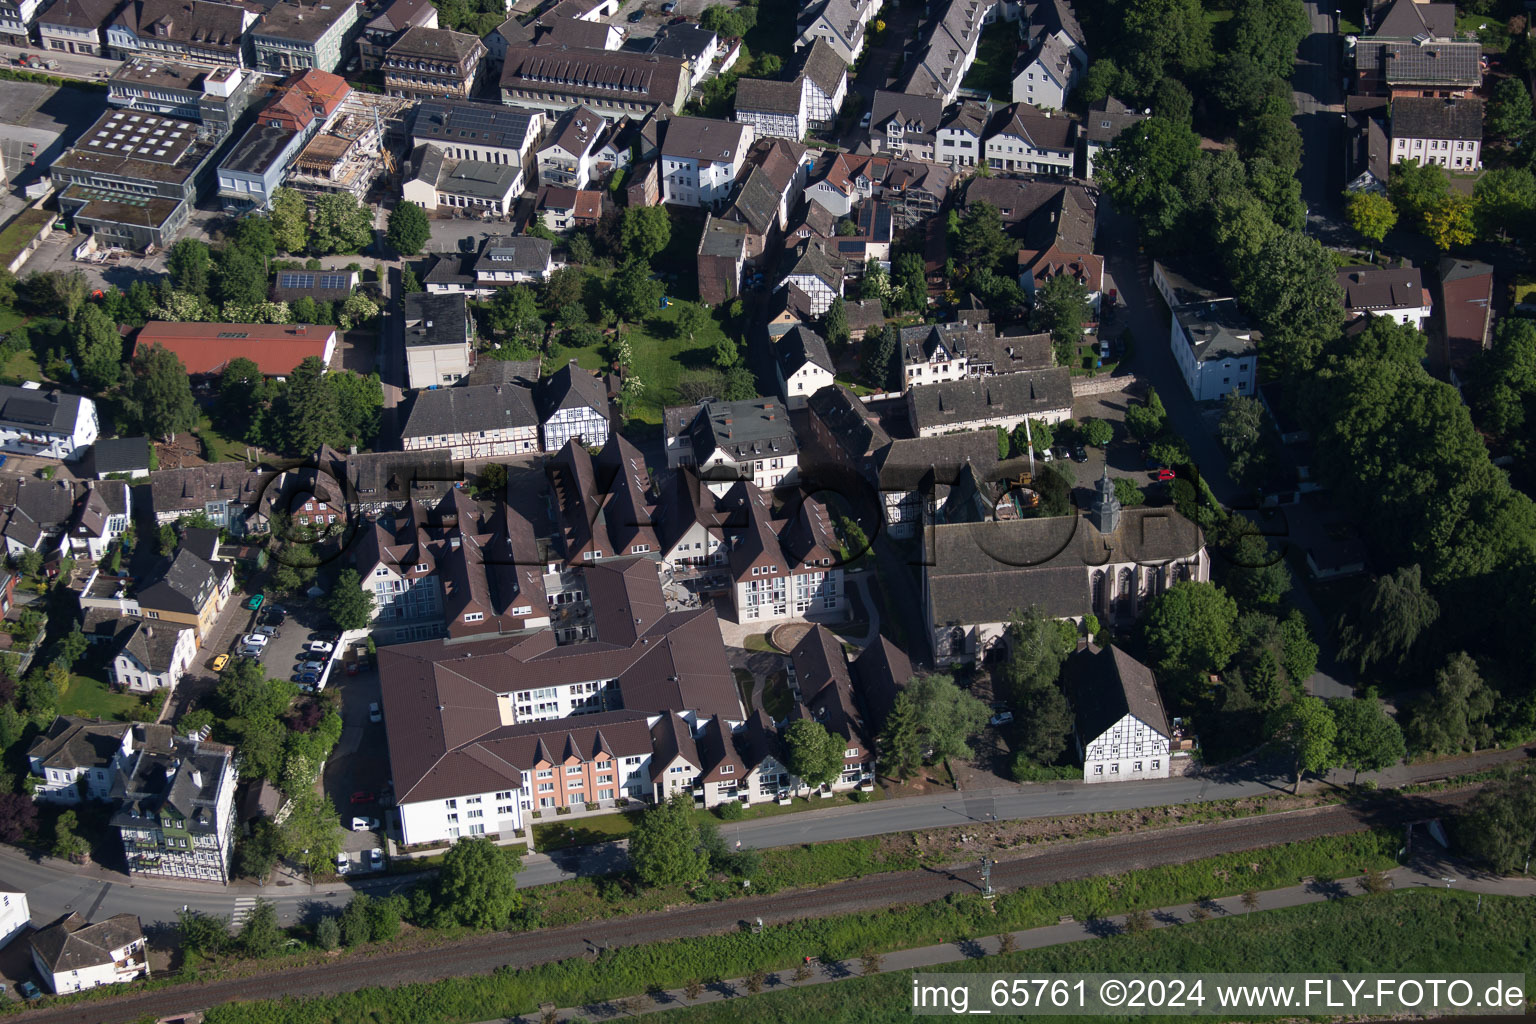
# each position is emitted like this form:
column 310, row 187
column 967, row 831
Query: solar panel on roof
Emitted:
column 335, row 281
column 290, row 279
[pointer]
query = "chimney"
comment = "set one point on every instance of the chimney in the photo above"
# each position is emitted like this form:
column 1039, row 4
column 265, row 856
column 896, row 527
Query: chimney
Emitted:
column 170, row 769
column 197, row 778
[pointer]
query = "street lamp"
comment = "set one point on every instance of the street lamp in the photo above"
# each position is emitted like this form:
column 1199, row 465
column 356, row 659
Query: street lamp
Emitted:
column 1448, row 882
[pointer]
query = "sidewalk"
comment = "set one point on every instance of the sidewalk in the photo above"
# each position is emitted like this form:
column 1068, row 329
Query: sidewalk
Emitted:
column 824, row 972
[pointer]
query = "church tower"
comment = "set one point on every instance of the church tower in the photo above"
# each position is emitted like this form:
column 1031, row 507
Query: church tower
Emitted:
column 1105, row 511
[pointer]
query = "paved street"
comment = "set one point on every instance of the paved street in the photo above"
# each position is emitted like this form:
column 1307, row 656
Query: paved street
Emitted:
column 1319, row 94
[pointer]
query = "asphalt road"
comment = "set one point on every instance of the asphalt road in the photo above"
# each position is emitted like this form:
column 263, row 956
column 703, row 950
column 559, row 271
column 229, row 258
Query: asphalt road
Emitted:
column 1319, row 94
column 484, row 953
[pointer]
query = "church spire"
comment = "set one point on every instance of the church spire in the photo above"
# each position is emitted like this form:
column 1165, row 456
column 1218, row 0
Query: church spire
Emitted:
column 1105, row 511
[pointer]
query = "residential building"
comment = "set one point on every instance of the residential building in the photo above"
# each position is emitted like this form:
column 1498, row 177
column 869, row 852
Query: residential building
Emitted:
column 823, row 78
column 1448, row 132
column 825, row 683
column 77, row 759
column 38, row 518
column 562, row 209
column 803, row 364
column 689, row 527
column 439, row 340
column 293, row 36
column 120, row 457
column 1414, row 50
column 474, row 422
column 915, row 191
column 175, row 799
column 150, row 657
column 385, row 483
column 840, row 24
column 437, row 180
column 466, row 130
column 511, row 32
column 958, row 142
column 1214, row 344
column 75, row 26
column 562, row 26
column 1122, row 733
column 307, row 102
column 700, row 159
column 839, row 181
column 763, row 757
column 1102, row 125
column 1059, row 239
column 132, row 179
column 1109, row 562
column 1465, row 302
column 196, row 31
column 1046, row 72
column 560, row 689
column 1395, row 292
column 1001, row 400
column 226, row 492
column 431, row 63
column 722, row 258
column 512, row 259
column 396, row 560
column 935, row 353
column 946, row 55
column 817, row 274
column 71, row 955
column 206, row 349
column 190, row 591
column 612, row 83
column 16, row 17
column 1023, row 138
column 322, row 286
column 573, row 405
column 605, row 503
column 772, row 108
column 1367, row 149
column 257, row 166
column 15, row 916
column 905, row 125
column 50, row 424
column 751, row 440
column 101, row 516
column 380, row 33
column 782, row 566
column 696, row 46
column 569, row 156
column 217, row 97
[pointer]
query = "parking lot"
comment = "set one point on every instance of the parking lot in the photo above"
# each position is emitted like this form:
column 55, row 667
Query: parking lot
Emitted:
column 359, row 766
column 291, row 643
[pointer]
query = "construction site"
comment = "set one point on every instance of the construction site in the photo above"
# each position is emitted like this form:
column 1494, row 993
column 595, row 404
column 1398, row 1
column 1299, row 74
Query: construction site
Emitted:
column 355, row 149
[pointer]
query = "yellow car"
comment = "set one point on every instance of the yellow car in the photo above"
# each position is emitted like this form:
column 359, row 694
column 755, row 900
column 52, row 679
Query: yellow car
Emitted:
column 220, row 662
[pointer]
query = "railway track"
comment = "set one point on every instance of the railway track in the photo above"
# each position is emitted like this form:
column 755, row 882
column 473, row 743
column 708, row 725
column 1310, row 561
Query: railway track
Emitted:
column 483, row 954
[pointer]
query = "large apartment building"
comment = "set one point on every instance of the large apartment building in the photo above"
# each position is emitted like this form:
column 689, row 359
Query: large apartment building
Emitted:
column 613, row 83
column 700, row 159
column 432, row 63
column 297, row 36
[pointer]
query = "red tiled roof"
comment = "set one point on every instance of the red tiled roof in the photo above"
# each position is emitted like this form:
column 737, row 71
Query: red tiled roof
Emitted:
column 322, row 88
column 207, row 348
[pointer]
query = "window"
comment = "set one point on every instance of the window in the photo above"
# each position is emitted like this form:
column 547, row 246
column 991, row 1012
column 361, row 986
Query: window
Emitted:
column 477, row 830
column 1114, row 769
column 546, row 773
column 546, row 787
column 473, row 800
column 422, row 567
column 504, row 795
column 475, row 814
column 453, row 819
column 727, row 769
column 675, row 769
column 1136, row 767
column 450, row 804
column 1156, row 765
column 474, row 616
column 1098, row 769
column 851, row 752
column 573, row 769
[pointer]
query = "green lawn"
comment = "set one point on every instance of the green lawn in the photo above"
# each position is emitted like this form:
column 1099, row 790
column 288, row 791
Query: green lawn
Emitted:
column 217, row 447
column 566, row 831
column 93, row 698
column 777, row 700
column 993, row 69
column 1488, row 30
column 1525, row 289
column 663, row 359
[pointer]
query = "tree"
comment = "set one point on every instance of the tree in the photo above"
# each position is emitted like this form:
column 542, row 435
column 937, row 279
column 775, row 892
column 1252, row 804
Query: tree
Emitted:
column 1138, row 921
column 260, row 935
column 1143, row 171
column 1417, row 188
column 189, row 265
column 356, row 924
column 408, row 228
column 1368, row 740
column 56, row 293
column 1189, row 627
column 1242, row 432
column 1162, row 38
column 160, row 394
column 1455, row 716
column 814, row 754
column 664, row 845
column 876, row 283
column 254, row 235
column 909, row 282
column 98, row 348
column 691, row 318
column 1127, row 493
column 880, row 359
column 257, row 854
column 835, row 325
column 1307, row 726
column 1388, row 621
column 241, row 278
column 351, row 606
column 1370, row 213
column 1292, row 288
column 202, row 934
column 67, row 843
column 1097, row 432
column 328, row 933
column 1499, row 822
column 981, row 241
column 1062, row 308
column 1509, row 108
column 1298, row 650
column 1258, row 576
column 342, row 224
column 311, row 834
column 645, row 232
column 1102, row 80
column 1147, row 420
column 1268, row 31
column 1504, row 203
column 635, row 293
column 932, row 714
column 740, row 384
column 290, row 221
column 243, row 394
column 477, row 887
column 1042, row 719
column 18, row 815
column 1449, row 224
column 307, row 414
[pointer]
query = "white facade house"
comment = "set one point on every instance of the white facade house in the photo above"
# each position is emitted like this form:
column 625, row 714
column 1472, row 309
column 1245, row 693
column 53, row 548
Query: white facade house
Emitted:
column 15, row 18
column 1448, row 132
column 727, row 442
column 152, row 657
column 72, row 956
column 572, row 404
column 1397, row 293
column 15, row 916
column 1047, row 73
column 700, row 159
column 439, row 339
column 803, row 364
column 477, row 131
column 567, row 158
column 959, row 140
column 102, row 515
column 51, row 424
column 76, row 758
column 1035, row 141
column 497, row 812
column 1213, row 343
column 817, row 275
column 1122, row 732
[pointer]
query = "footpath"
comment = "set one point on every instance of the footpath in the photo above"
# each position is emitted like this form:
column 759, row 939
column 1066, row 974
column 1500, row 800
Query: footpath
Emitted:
column 1432, row 874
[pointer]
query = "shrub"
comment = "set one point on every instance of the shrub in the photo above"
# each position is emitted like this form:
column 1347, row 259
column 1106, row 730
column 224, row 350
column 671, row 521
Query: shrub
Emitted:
column 731, row 811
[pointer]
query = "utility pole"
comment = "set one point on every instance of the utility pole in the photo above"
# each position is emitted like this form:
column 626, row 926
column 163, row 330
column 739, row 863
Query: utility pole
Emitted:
column 986, row 878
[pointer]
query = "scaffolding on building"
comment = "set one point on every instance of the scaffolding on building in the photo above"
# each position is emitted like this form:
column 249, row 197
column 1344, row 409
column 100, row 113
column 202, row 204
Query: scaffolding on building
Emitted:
column 350, row 153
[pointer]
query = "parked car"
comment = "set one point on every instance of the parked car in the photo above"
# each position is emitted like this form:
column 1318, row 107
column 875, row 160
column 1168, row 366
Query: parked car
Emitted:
column 668, row 7
column 362, row 796
column 28, row 991
column 219, row 663
column 275, row 616
column 375, row 714
column 868, row 116
column 1046, row 456
column 269, row 631
column 638, row 14
column 312, row 666
column 362, row 824
column 254, row 604
column 376, row 859
column 1079, row 454
column 1164, row 474
column 321, row 647
column 343, row 862
column 1001, row 718
column 255, row 639
column 1061, row 452
column 306, row 678
column 247, row 651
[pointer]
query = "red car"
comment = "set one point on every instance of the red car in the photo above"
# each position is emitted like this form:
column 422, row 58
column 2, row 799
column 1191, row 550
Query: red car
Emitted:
column 362, row 796
column 1164, row 475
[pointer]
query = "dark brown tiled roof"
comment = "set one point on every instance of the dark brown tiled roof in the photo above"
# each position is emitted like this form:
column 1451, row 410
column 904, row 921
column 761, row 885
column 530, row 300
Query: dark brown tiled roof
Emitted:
column 1109, row 684
column 70, row 944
